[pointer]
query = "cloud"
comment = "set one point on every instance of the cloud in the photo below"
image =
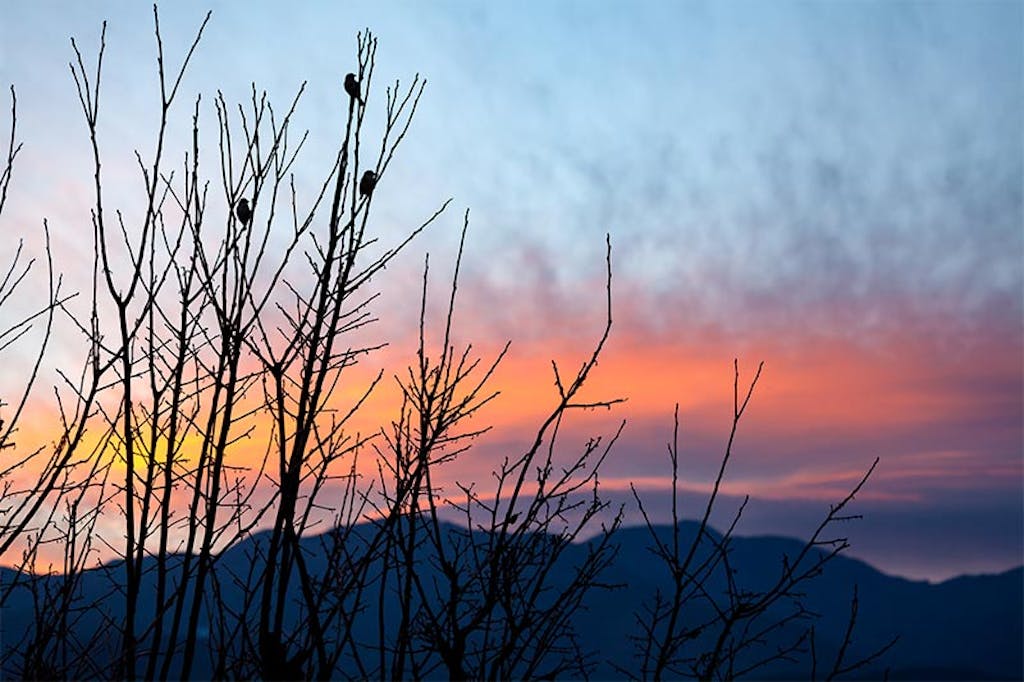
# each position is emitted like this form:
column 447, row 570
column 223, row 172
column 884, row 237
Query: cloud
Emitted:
column 835, row 189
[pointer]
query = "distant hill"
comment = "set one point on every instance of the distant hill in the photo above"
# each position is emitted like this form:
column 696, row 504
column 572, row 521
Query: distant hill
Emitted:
column 970, row 627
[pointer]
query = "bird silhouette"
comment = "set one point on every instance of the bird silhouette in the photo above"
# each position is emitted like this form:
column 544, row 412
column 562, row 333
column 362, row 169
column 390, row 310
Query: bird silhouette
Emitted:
column 243, row 212
column 367, row 184
column 352, row 87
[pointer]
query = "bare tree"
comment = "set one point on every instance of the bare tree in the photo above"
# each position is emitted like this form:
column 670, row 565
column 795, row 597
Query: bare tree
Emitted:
column 212, row 341
column 222, row 322
column 710, row 624
column 481, row 599
column 30, row 513
column 54, row 504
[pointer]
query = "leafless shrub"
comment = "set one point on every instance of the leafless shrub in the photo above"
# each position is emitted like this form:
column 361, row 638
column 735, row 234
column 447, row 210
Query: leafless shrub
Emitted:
column 225, row 321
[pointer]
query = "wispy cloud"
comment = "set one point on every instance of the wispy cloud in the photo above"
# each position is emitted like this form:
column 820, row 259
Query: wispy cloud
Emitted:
column 833, row 188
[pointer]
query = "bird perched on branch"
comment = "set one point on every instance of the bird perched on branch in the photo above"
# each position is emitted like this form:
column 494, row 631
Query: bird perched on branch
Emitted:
column 367, row 184
column 352, row 87
column 243, row 212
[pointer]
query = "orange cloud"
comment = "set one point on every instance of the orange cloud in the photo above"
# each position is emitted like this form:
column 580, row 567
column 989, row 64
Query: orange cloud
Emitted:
column 942, row 411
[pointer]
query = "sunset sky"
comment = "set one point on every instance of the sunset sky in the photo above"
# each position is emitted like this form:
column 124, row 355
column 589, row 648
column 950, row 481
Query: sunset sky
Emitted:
column 835, row 188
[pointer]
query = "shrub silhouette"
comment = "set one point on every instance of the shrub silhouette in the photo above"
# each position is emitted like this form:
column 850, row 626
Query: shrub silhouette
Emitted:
column 219, row 322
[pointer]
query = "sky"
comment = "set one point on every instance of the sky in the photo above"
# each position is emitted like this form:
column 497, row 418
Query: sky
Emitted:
column 833, row 188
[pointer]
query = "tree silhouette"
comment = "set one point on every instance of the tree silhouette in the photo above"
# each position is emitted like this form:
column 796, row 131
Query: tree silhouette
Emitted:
column 211, row 332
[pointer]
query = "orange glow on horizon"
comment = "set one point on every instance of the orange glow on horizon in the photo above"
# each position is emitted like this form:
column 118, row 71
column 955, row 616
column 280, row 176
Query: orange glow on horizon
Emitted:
column 822, row 411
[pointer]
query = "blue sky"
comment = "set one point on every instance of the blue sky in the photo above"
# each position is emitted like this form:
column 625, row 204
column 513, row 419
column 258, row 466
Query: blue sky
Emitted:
column 776, row 177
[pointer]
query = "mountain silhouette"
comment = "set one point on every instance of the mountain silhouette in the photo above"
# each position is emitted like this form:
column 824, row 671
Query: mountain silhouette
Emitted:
column 971, row 627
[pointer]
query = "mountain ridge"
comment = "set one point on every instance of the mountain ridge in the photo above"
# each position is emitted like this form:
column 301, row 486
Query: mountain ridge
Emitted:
column 970, row 626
